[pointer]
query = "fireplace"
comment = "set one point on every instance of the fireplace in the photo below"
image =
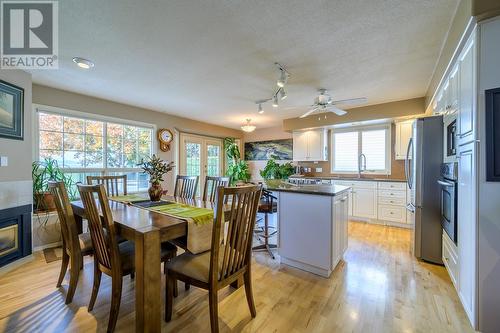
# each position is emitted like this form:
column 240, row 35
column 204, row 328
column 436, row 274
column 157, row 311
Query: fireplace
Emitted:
column 15, row 234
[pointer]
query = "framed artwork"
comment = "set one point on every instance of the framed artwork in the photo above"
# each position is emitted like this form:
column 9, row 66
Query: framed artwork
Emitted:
column 263, row 150
column 11, row 111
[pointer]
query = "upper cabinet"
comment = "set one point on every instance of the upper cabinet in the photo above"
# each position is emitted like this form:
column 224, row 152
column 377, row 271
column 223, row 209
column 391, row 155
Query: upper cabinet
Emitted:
column 466, row 121
column 310, row 145
column 403, row 135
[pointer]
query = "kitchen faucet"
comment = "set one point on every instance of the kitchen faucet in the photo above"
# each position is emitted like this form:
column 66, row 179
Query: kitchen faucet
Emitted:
column 361, row 166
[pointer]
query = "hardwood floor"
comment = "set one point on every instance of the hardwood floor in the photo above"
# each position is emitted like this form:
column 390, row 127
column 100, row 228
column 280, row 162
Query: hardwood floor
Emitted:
column 379, row 288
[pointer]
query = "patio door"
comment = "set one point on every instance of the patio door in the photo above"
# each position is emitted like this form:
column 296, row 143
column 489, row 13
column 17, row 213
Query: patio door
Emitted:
column 200, row 156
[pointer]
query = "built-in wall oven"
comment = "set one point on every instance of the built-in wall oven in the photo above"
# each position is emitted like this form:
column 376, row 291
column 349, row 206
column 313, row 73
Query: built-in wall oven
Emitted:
column 450, row 137
column 448, row 187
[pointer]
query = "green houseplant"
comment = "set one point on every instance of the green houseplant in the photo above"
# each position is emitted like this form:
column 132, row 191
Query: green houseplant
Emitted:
column 156, row 168
column 237, row 168
column 42, row 172
column 273, row 170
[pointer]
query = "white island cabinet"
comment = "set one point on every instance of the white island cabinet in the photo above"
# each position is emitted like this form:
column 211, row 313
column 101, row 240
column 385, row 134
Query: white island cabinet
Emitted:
column 312, row 222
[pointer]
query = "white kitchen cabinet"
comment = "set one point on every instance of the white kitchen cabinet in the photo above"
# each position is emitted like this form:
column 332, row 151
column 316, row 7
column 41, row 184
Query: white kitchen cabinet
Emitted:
column 466, row 213
column 450, row 258
column 364, row 203
column 467, row 100
column 452, row 96
column 403, row 135
column 310, row 145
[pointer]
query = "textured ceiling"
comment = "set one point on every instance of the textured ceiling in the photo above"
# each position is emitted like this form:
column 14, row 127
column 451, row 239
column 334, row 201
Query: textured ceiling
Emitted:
column 210, row 60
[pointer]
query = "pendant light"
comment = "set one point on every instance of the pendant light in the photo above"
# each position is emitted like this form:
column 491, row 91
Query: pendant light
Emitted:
column 248, row 127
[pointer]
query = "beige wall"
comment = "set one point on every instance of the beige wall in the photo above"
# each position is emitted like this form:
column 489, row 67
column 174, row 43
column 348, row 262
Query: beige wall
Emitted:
column 409, row 107
column 18, row 152
column 68, row 100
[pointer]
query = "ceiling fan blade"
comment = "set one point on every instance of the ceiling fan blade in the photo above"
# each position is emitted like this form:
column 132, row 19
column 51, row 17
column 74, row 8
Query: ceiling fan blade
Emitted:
column 308, row 113
column 336, row 110
column 298, row 107
column 351, row 101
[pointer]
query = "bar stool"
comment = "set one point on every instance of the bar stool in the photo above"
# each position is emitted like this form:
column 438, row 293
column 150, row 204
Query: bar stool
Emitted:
column 268, row 205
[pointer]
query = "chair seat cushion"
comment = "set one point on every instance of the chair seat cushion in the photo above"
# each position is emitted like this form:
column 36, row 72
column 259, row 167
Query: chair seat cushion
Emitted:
column 85, row 242
column 266, row 207
column 196, row 266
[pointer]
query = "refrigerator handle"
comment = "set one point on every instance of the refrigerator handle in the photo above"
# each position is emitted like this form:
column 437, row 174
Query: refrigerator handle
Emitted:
column 407, row 164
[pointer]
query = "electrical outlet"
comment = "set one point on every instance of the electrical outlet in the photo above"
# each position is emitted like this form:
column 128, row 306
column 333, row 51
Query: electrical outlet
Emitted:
column 4, row 161
column 319, row 169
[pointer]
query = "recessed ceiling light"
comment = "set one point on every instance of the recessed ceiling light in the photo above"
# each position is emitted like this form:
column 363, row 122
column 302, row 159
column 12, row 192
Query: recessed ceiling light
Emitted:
column 83, row 63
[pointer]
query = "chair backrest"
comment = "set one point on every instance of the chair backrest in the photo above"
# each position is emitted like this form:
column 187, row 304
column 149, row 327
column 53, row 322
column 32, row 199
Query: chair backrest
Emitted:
column 67, row 221
column 211, row 185
column 100, row 219
column 185, row 186
column 235, row 254
column 111, row 183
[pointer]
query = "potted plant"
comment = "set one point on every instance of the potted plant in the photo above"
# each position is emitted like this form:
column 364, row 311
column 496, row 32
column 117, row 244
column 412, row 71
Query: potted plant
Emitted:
column 237, row 168
column 156, row 168
column 42, row 172
column 275, row 171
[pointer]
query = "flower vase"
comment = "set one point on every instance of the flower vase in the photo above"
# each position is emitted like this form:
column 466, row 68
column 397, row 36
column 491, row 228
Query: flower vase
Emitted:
column 155, row 192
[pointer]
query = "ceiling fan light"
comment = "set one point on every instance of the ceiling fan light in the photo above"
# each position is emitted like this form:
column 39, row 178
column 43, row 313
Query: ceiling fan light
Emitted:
column 283, row 94
column 248, row 127
column 275, row 101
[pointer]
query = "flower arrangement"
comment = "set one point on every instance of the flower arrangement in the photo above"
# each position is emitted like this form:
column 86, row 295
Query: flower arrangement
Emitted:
column 156, row 168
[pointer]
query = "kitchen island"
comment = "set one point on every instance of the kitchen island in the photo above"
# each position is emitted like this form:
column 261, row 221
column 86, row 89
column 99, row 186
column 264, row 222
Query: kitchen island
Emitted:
column 312, row 223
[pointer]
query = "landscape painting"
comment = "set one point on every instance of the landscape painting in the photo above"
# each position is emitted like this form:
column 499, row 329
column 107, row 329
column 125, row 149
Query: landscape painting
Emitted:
column 263, row 150
column 11, row 111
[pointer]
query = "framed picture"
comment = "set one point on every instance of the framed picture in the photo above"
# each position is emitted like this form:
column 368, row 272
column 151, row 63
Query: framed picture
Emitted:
column 263, row 150
column 11, row 111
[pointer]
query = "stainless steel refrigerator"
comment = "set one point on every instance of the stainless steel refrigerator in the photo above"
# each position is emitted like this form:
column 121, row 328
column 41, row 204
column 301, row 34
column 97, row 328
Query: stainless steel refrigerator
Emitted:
column 423, row 164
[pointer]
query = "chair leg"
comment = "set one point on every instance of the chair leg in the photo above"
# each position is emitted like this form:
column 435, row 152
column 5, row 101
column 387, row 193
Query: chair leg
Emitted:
column 249, row 293
column 214, row 311
column 176, row 289
column 168, row 296
column 64, row 268
column 73, row 278
column 97, row 283
column 116, row 297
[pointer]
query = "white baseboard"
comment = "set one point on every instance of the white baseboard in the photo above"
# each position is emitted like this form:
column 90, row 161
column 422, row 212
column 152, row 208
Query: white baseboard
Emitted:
column 47, row 246
column 13, row 265
column 306, row 267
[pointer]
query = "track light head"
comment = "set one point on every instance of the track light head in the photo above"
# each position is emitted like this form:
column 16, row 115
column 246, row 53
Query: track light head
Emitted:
column 283, row 94
column 261, row 110
column 275, row 101
column 282, row 80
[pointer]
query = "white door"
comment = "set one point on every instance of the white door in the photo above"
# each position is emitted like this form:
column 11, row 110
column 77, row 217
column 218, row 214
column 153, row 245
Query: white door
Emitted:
column 364, row 203
column 200, row 156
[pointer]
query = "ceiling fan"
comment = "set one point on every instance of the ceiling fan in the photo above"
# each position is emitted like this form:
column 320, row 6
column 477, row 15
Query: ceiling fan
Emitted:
column 324, row 103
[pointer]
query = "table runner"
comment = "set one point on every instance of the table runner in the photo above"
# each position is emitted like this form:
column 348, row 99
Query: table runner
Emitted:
column 199, row 220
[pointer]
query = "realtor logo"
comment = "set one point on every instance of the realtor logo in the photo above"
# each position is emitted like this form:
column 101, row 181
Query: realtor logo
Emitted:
column 29, row 35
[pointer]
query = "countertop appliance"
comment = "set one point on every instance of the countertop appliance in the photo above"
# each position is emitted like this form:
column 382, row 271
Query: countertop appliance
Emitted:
column 449, row 185
column 423, row 164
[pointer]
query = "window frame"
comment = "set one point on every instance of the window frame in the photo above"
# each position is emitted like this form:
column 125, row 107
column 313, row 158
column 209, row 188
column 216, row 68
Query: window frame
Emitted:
column 38, row 108
column 388, row 147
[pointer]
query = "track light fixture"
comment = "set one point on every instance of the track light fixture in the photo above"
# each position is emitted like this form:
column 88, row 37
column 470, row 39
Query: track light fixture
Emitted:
column 281, row 82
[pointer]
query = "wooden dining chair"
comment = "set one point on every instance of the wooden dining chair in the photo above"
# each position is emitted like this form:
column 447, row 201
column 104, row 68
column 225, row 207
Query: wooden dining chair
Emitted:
column 74, row 245
column 224, row 263
column 185, row 186
column 211, row 186
column 111, row 258
column 111, row 183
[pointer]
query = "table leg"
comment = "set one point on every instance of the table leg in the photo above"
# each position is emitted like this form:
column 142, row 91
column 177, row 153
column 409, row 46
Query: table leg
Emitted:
column 147, row 282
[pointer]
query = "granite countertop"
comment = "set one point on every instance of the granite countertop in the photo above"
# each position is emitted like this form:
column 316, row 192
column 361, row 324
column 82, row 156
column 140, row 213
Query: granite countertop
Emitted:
column 320, row 189
column 351, row 178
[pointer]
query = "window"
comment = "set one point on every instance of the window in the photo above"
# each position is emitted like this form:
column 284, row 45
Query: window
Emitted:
column 85, row 146
column 373, row 142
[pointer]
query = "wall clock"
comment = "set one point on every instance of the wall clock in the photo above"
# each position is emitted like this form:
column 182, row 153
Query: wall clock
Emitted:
column 165, row 137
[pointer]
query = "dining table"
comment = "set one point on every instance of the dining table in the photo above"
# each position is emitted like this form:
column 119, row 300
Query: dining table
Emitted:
column 147, row 229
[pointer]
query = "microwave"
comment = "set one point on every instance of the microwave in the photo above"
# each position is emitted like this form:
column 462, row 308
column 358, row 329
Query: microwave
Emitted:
column 450, row 138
